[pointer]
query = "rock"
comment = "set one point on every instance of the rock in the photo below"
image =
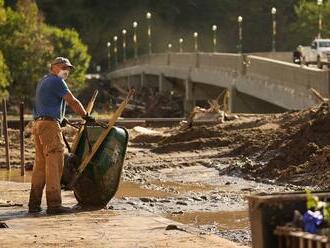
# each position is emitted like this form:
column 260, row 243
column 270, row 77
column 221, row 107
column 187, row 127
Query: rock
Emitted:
column 247, row 189
column 146, row 199
column 171, row 227
column 181, row 203
column 3, row 225
column 177, row 212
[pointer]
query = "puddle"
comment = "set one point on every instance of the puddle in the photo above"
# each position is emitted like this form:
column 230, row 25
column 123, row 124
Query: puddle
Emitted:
column 184, row 187
column 129, row 189
column 225, row 220
column 14, row 175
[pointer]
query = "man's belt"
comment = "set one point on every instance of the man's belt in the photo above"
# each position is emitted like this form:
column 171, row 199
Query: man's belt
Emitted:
column 45, row 118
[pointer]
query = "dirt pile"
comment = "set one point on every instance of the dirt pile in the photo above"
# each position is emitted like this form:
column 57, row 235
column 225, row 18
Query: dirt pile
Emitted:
column 291, row 147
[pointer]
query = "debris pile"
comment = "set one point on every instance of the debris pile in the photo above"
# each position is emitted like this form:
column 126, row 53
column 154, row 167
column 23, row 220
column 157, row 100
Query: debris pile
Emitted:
column 292, row 147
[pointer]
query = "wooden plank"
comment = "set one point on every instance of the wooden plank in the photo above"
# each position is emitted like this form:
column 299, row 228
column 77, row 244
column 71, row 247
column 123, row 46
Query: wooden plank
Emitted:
column 101, row 138
column 5, row 131
column 89, row 109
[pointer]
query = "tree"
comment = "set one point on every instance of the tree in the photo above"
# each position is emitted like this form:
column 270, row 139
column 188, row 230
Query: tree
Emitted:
column 305, row 29
column 25, row 48
column 4, row 72
column 28, row 46
column 66, row 43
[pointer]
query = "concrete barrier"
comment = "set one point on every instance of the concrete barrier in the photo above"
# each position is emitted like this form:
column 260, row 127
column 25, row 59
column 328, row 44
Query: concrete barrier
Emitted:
column 290, row 75
column 183, row 59
column 223, row 61
column 282, row 56
column 281, row 83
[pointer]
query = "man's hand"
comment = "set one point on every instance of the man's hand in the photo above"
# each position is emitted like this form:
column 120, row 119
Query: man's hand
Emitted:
column 90, row 120
column 64, row 122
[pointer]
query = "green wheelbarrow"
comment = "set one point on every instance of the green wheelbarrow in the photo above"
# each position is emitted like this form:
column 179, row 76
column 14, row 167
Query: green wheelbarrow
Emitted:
column 94, row 167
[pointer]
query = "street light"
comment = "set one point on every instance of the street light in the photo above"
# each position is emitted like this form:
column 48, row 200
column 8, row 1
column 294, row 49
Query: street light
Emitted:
column 274, row 29
column 115, row 49
column 319, row 3
column 214, row 29
column 196, row 42
column 135, row 24
column 109, row 54
column 169, row 46
column 240, row 33
column 124, row 32
column 180, row 45
column 148, row 16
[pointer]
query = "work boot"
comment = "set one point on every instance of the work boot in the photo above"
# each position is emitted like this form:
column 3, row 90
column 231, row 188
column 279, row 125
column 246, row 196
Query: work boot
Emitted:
column 59, row 210
column 34, row 210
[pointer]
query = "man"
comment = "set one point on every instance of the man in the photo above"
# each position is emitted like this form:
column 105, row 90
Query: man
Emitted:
column 52, row 94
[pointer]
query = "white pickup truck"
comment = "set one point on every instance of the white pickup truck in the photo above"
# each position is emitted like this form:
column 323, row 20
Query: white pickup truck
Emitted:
column 318, row 53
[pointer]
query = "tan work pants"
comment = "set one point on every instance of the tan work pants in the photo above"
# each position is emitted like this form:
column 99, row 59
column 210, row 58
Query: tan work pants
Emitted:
column 48, row 164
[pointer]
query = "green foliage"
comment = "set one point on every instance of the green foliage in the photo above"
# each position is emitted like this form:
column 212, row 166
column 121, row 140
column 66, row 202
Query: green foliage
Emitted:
column 305, row 28
column 4, row 77
column 28, row 45
column 97, row 21
column 25, row 48
column 4, row 72
column 68, row 44
column 326, row 212
column 312, row 201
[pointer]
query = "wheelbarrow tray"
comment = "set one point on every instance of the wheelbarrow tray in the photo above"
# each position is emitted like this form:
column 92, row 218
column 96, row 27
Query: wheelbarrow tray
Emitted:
column 99, row 180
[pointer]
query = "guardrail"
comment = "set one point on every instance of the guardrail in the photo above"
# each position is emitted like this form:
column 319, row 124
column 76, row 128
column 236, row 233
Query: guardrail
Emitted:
column 283, row 73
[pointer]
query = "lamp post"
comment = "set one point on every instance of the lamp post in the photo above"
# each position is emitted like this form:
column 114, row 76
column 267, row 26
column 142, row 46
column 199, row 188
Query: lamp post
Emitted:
column 148, row 16
column 214, row 29
column 274, row 29
column 169, row 46
column 109, row 54
column 319, row 3
column 196, row 42
column 135, row 24
column 115, row 49
column 181, row 45
column 240, row 33
column 124, row 32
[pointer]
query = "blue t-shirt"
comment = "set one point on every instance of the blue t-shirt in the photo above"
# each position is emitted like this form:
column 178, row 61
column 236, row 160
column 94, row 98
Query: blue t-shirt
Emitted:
column 49, row 97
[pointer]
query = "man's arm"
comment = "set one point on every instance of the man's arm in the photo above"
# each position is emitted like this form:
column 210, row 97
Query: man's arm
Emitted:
column 75, row 104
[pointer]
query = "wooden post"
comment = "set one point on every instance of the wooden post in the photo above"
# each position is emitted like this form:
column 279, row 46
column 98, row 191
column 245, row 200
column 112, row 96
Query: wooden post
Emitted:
column 5, row 132
column 21, row 113
column 1, row 124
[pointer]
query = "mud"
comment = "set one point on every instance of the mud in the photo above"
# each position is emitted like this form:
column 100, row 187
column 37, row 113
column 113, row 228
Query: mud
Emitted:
column 196, row 175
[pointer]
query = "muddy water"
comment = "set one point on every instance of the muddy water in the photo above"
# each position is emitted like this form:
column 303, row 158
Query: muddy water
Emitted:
column 129, row 189
column 225, row 220
column 14, row 175
column 126, row 189
column 183, row 187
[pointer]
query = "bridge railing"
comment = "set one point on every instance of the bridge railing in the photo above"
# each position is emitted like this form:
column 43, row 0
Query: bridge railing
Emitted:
column 282, row 73
column 223, row 61
column 288, row 74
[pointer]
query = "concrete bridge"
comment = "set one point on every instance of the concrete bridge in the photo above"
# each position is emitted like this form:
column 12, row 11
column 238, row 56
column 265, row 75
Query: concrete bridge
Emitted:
column 254, row 83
